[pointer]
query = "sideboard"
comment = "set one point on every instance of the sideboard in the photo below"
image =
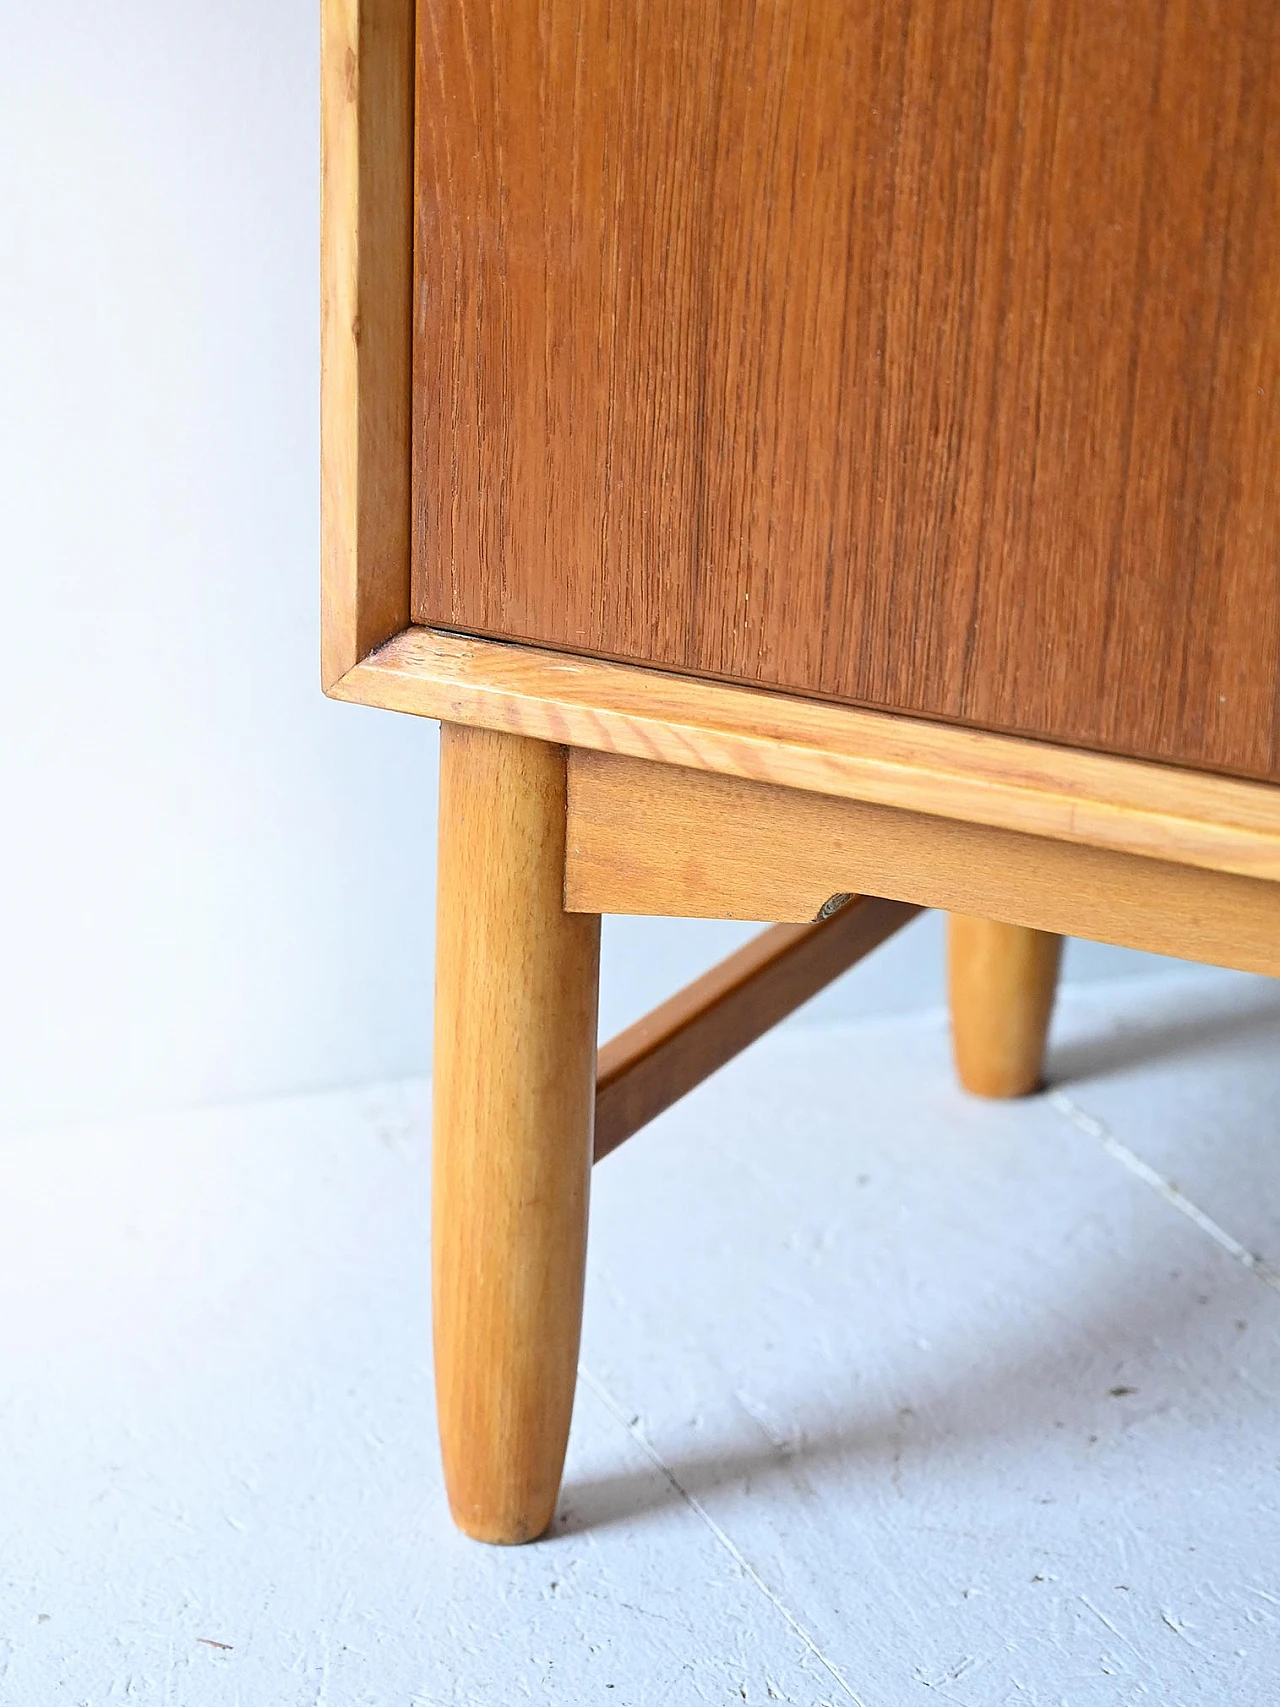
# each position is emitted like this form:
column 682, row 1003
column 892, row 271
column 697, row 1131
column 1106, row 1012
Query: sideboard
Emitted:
column 817, row 461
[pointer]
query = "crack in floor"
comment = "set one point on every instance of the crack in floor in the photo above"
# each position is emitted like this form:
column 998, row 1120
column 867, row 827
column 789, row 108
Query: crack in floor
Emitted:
column 1128, row 1159
column 696, row 1506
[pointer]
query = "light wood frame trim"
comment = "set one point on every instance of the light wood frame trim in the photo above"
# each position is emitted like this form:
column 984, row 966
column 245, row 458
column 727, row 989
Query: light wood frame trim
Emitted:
column 966, row 775
column 661, row 839
column 366, row 325
column 663, row 1056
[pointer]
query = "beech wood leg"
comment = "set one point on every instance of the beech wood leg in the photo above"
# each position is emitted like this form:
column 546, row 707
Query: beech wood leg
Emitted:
column 516, row 991
column 1002, row 979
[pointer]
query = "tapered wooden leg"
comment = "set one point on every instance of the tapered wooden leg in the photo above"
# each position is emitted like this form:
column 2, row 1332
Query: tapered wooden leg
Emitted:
column 1003, row 979
column 516, row 988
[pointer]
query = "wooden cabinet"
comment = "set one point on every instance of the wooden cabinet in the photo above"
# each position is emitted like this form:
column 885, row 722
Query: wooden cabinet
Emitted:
column 919, row 354
column 818, row 460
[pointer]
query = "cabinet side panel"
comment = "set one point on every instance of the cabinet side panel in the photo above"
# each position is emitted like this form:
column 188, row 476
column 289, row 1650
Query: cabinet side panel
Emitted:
column 923, row 356
column 366, row 296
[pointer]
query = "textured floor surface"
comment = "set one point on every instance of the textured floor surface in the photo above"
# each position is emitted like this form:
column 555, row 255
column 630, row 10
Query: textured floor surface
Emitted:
column 888, row 1396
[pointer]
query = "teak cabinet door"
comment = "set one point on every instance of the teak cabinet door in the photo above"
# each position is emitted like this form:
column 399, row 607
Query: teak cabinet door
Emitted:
column 922, row 354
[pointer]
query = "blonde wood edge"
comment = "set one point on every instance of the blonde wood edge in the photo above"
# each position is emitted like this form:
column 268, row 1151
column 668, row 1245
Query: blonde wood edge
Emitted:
column 366, row 316
column 655, row 1062
column 662, row 840
column 513, row 1095
column 1002, row 980
column 967, row 776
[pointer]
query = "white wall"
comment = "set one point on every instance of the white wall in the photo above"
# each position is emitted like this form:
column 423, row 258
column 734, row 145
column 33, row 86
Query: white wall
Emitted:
column 213, row 883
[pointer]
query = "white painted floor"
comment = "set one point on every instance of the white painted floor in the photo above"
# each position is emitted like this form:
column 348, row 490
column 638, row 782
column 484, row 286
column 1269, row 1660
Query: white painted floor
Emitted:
column 888, row 1396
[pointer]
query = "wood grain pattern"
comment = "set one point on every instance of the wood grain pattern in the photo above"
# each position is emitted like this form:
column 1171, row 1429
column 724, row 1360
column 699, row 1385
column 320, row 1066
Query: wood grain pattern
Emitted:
column 1002, row 980
column 513, row 1103
column 922, row 356
column 1181, row 816
column 660, row 1058
column 663, row 840
column 366, row 305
